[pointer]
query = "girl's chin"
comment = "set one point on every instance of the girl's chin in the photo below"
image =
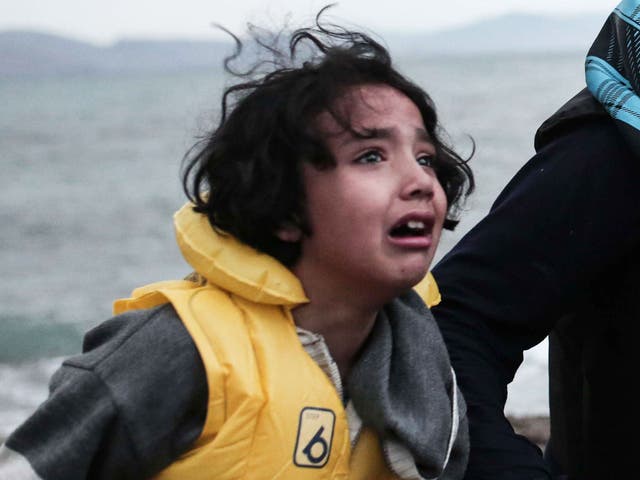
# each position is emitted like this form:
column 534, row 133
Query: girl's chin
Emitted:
column 412, row 277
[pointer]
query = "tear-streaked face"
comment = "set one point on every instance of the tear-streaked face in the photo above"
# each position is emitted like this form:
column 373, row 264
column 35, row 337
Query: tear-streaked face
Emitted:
column 377, row 216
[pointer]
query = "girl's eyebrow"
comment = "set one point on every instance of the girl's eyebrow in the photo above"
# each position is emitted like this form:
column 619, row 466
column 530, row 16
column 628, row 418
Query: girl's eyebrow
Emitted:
column 422, row 134
column 368, row 133
column 382, row 133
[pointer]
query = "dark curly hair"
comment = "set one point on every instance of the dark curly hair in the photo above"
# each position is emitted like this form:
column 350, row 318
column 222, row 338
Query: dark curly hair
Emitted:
column 246, row 174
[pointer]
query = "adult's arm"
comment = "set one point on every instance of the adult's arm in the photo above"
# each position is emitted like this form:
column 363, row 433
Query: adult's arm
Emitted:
column 570, row 213
column 132, row 403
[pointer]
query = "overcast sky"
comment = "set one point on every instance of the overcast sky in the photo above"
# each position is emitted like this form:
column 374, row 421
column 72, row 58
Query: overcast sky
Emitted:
column 107, row 20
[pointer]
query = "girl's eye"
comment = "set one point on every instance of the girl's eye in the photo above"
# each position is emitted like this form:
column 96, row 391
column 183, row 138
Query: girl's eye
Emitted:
column 370, row 157
column 426, row 161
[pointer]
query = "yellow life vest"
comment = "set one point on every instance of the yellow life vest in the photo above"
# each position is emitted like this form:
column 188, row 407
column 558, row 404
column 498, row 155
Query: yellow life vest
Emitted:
column 272, row 412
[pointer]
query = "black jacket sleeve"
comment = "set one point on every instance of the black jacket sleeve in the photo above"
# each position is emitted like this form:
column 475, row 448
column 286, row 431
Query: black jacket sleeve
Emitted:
column 569, row 213
column 127, row 407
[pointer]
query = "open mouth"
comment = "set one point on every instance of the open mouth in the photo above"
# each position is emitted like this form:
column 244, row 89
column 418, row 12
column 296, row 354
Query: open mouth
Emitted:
column 411, row 228
column 413, row 231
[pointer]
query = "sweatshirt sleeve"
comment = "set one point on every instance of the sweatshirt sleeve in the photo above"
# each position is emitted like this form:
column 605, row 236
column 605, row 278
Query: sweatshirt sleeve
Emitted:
column 63, row 438
column 126, row 408
column 568, row 215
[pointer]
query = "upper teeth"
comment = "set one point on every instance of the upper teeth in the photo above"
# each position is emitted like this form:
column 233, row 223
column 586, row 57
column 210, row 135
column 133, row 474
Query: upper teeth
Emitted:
column 415, row 224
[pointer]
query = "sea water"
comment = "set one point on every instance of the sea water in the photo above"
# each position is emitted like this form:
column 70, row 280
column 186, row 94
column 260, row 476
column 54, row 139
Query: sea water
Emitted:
column 90, row 178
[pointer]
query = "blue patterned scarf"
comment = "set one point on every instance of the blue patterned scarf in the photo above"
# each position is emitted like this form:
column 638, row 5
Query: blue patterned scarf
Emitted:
column 613, row 69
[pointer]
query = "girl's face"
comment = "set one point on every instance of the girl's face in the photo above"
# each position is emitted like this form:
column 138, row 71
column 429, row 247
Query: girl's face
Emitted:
column 377, row 216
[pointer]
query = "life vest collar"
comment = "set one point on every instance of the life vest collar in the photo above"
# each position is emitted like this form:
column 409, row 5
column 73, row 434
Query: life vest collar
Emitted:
column 232, row 265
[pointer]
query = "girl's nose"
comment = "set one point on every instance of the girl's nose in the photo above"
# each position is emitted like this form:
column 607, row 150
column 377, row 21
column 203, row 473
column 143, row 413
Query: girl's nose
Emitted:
column 418, row 181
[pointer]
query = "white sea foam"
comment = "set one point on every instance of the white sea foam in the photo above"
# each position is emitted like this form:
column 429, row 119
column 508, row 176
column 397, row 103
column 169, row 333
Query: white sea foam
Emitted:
column 529, row 391
column 28, row 384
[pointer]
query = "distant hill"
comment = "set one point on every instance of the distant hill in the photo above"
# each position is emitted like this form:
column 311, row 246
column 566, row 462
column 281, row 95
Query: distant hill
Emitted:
column 35, row 53
column 507, row 33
